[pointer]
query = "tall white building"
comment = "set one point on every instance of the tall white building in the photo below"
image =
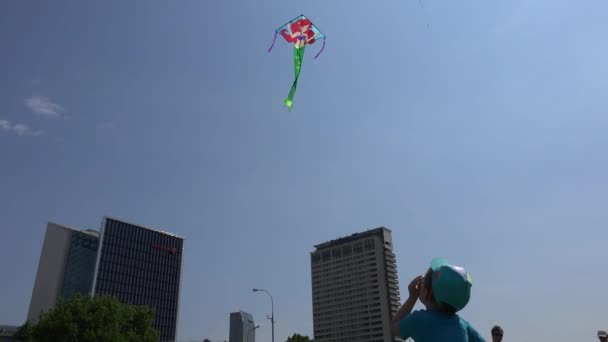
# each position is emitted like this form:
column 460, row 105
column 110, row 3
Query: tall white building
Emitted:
column 66, row 267
column 242, row 328
column 355, row 291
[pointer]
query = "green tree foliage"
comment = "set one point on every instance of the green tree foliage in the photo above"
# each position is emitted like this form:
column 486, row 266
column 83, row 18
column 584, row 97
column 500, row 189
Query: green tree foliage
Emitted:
column 298, row 338
column 24, row 333
column 92, row 319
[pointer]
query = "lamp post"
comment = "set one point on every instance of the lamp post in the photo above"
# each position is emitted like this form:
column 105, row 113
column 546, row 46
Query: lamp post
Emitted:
column 271, row 317
column 250, row 331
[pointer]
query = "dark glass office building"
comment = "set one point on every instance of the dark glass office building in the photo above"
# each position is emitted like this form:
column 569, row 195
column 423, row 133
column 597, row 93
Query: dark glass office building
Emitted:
column 141, row 266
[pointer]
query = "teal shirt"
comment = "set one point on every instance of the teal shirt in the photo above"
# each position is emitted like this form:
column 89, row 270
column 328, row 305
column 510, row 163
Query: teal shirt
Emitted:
column 435, row 326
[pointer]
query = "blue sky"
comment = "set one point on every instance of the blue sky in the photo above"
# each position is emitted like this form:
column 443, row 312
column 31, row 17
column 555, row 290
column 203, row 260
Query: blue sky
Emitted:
column 475, row 130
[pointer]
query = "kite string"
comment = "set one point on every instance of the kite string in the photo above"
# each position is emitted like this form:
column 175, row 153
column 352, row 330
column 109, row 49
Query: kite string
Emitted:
column 273, row 41
column 322, row 48
column 428, row 24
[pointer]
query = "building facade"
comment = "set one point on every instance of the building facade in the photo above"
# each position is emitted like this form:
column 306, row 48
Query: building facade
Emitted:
column 7, row 333
column 141, row 266
column 65, row 267
column 138, row 265
column 242, row 328
column 355, row 289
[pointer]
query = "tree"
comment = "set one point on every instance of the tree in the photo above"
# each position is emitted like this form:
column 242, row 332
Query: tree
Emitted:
column 298, row 338
column 24, row 334
column 91, row 319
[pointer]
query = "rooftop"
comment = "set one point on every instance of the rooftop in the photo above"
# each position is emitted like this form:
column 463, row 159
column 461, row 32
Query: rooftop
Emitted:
column 144, row 227
column 352, row 237
column 8, row 330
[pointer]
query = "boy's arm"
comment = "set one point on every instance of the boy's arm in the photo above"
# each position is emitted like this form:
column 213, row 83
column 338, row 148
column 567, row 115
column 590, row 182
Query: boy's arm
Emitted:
column 414, row 291
column 405, row 310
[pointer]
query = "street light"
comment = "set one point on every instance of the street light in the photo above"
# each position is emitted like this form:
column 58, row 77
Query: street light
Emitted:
column 250, row 331
column 271, row 318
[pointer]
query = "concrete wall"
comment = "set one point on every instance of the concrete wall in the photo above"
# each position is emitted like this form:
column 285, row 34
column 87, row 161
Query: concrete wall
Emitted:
column 49, row 276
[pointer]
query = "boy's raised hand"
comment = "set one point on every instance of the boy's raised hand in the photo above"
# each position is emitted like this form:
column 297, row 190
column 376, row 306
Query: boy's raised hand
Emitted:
column 414, row 287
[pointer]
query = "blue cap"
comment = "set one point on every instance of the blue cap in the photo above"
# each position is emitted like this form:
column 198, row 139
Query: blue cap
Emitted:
column 451, row 284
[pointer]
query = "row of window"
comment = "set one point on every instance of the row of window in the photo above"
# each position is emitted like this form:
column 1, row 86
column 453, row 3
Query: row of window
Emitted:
column 126, row 266
column 337, row 252
column 319, row 292
column 338, row 262
column 344, row 269
column 145, row 267
column 126, row 274
column 347, row 305
column 166, row 299
column 339, row 267
column 139, row 255
column 321, row 306
column 359, row 339
column 356, row 274
column 348, row 310
column 348, row 283
column 329, row 269
column 340, row 296
column 344, row 325
column 351, row 335
column 340, row 314
column 132, row 232
column 330, row 290
column 348, row 290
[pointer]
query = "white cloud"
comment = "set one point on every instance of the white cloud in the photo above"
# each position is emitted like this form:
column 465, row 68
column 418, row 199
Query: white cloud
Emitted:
column 43, row 106
column 19, row 129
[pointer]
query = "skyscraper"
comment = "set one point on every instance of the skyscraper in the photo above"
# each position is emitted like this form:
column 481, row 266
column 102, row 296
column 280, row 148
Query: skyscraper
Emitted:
column 355, row 290
column 242, row 328
column 141, row 266
column 65, row 267
column 138, row 265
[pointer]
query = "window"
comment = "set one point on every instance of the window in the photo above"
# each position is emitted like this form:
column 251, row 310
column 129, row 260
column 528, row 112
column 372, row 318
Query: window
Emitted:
column 358, row 247
column 336, row 253
column 326, row 256
column 369, row 244
column 315, row 258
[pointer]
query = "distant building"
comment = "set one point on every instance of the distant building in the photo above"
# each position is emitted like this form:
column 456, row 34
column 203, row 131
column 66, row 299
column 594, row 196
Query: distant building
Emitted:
column 355, row 291
column 138, row 265
column 7, row 332
column 242, row 328
column 66, row 267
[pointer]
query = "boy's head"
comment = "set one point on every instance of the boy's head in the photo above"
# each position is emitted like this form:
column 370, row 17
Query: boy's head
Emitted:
column 497, row 333
column 446, row 286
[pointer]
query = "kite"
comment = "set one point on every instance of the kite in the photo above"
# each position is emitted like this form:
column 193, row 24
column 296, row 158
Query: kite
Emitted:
column 301, row 32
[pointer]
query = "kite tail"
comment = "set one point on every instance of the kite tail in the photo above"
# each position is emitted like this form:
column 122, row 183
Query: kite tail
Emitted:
column 322, row 48
column 298, row 55
column 273, row 41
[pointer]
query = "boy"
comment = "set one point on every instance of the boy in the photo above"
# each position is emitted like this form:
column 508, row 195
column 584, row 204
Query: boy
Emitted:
column 444, row 290
column 497, row 333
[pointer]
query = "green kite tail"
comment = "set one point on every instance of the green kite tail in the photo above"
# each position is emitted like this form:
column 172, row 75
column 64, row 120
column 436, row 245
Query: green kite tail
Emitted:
column 298, row 56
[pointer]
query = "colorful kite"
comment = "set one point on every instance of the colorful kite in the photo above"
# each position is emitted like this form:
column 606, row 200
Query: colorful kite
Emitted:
column 300, row 31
